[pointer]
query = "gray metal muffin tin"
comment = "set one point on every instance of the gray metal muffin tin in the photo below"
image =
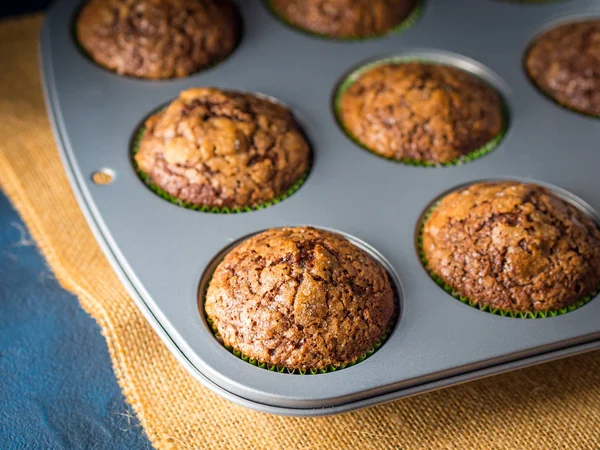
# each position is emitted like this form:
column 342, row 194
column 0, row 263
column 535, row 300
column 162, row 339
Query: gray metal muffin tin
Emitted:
column 163, row 253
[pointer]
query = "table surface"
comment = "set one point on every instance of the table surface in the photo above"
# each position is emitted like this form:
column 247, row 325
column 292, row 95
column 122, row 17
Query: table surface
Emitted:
column 57, row 386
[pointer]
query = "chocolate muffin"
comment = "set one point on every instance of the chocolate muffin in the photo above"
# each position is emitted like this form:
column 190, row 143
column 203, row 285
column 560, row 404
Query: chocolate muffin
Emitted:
column 345, row 18
column 564, row 63
column 420, row 112
column 221, row 149
column 513, row 246
column 158, row 38
column 300, row 298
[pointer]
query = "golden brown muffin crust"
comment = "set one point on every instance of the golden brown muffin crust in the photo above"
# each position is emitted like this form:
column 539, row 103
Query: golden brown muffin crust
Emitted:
column 564, row 62
column 223, row 149
column 301, row 298
column 513, row 246
column 421, row 111
column 158, row 38
column 344, row 18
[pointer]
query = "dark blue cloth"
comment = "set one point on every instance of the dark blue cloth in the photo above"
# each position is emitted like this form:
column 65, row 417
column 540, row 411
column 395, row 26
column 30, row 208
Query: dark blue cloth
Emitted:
column 57, row 387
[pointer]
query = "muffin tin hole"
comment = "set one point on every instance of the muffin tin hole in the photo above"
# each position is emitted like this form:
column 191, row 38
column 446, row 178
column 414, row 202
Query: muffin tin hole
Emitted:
column 159, row 191
column 369, row 250
column 427, row 57
column 86, row 53
column 561, row 194
column 103, row 177
column 568, row 93
column 410, row 20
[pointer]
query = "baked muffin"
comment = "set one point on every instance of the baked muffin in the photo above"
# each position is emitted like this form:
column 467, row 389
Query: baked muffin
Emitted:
column 564, row 63
column 300, row 298
column 421, row 112
column 513, row 246
column 222, row 149
column 158, row 38
column 344, row 18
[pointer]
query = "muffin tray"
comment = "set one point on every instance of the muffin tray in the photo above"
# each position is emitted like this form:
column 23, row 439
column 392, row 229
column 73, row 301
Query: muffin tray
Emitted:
column 164, row 254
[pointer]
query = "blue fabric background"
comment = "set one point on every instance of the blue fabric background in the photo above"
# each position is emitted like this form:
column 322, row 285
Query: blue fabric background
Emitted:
column 57, row 387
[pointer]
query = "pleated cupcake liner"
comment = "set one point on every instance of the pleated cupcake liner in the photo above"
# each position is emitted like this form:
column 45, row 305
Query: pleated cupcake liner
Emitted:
column 408, row 22
column 487, row 308
column 471, row 156
column 283, row 369
column 204, row 208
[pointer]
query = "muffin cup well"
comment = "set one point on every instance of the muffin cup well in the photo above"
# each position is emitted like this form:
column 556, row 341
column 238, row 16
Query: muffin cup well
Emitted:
column 394, row 321
column 486, row 308
column 408, row 22
column 534, row 83
column 204, row 208
column 85, row 54
column 354, row 75
column 283, row 369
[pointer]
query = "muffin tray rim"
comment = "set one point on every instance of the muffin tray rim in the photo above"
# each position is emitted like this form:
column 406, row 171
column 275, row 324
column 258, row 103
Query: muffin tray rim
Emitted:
column 89, row 197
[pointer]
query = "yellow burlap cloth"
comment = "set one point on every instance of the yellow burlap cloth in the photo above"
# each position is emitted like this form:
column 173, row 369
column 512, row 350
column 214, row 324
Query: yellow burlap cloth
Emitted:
column 553, row 406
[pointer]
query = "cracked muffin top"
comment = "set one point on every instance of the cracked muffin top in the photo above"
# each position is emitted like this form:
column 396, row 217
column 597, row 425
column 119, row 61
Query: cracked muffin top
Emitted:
column 513, row 246
column 158, row 38
column 564, row 62
column 300, row 298
column 423, row 112
column 344, row 18
column 223, row 149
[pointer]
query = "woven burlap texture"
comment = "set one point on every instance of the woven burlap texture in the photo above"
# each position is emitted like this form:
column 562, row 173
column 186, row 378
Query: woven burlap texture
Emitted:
column 552, row 406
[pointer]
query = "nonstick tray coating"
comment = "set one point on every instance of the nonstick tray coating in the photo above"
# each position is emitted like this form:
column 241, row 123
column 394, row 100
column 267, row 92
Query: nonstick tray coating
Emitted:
column 163, row 253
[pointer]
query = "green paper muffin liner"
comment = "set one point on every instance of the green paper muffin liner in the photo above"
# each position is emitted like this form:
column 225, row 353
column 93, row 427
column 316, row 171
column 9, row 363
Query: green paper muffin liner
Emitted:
column 350, row 79
column 282, row 369
column 486, row 308
column 408, row 22
column 204, row 208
